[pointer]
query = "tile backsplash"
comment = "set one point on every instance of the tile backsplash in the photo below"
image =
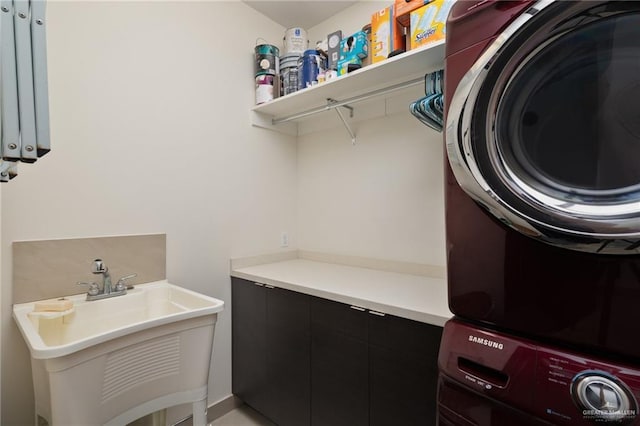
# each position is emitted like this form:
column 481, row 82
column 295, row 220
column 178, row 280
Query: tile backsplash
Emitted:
column 51, row 268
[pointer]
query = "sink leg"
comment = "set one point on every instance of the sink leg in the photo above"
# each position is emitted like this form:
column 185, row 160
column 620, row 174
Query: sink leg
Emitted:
column 200, row 413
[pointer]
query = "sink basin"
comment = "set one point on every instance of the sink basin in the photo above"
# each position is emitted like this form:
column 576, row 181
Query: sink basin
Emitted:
column 149, row 305
column 114, row 360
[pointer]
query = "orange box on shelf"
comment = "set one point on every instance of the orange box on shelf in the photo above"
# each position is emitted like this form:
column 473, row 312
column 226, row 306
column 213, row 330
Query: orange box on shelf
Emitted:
column 427, row 24
column 387, row 35
column 403, row 9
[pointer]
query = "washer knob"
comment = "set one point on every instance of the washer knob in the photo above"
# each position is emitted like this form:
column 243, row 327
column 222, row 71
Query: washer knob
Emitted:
column 603, row 397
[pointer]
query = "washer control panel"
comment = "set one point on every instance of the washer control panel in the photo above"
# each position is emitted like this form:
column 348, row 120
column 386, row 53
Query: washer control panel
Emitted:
column 555, row 386
column 603, row 396
column 573, row 389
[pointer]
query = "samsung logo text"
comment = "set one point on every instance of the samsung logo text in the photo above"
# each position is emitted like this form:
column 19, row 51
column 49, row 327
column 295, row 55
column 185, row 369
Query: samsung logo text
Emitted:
column 485, row 342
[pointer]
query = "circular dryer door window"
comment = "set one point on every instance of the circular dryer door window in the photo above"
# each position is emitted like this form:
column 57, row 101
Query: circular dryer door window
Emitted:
column 544, row 131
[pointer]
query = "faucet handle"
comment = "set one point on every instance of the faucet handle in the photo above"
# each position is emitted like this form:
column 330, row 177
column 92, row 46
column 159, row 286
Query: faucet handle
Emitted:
column 93, row 287
column 121, row 284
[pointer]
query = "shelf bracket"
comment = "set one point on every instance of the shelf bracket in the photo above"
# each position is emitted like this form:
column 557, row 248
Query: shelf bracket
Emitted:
column 330, row 103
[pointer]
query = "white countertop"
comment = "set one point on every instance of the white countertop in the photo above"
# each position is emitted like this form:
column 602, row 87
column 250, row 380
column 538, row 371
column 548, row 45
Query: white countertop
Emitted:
column 417, row 297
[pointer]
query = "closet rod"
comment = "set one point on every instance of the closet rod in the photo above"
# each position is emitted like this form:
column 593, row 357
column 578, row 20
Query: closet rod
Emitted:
column 332, row 104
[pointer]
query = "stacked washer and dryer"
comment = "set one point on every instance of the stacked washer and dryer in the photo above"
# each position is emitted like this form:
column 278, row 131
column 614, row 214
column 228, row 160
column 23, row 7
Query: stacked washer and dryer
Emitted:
column 543, row 214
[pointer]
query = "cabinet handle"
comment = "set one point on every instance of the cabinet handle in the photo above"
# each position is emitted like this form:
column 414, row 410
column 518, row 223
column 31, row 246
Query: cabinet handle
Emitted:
column 380, row 314
column 357, row 308
column 268, row 286
column 259, row 284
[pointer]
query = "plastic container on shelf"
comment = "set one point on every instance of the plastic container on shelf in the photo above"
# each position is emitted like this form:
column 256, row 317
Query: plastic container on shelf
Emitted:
column 267, row 59
column 265, row 88
column 295, row 41
column 289, row 73
column 267, row 69
column 310, row 65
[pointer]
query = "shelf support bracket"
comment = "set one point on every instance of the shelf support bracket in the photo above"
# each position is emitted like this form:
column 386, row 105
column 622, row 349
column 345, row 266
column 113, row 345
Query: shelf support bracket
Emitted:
column 330, row 103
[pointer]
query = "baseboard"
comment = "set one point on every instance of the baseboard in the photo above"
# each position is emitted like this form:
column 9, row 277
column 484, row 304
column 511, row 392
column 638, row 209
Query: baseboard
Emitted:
column 216, row 410
column 222, row 407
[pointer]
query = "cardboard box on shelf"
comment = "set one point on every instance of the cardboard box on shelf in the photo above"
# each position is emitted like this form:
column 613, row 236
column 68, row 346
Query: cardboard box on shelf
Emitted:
column 343, row 64
column 355, row 45
column 333, row 43
column 403, row 9
column 428, row 23
column 387, row 35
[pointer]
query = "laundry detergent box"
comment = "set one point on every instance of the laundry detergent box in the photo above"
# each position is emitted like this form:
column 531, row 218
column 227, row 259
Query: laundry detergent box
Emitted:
column 403, row 9
column 356, row 45
column 427, row 23
column 387, row 35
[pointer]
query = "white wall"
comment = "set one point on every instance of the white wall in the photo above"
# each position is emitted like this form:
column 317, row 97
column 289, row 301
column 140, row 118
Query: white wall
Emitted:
column 150, row 133
column 349, row 21
column 382, row 198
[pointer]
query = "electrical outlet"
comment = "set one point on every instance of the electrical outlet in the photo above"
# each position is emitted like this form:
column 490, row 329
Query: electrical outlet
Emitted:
column 284, row 240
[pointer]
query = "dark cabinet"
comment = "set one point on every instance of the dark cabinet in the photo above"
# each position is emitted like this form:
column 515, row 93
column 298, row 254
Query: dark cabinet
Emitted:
column 305, row 360
column 339, row 365
column 249, row 343
column 403, row 371
column 368, row 368
column 271, row 351
column 288, row 357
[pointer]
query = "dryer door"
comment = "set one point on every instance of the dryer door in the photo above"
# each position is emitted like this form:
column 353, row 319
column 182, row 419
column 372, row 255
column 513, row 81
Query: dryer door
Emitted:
column 544, row 130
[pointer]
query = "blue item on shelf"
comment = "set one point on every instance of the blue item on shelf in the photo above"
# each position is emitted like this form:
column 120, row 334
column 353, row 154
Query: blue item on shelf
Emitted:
column 310, row 65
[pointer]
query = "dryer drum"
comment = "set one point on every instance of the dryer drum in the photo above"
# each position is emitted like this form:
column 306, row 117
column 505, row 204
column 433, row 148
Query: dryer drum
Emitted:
column 544, row 130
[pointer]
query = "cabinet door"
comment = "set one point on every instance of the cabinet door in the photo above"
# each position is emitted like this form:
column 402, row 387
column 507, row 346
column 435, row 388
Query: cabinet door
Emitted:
column 249, row 343
column 339, row 365
column 403, row 356
column 288, row 357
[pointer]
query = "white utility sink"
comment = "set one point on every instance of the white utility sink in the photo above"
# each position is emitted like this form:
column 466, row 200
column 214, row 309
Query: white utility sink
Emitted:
column 114, row 360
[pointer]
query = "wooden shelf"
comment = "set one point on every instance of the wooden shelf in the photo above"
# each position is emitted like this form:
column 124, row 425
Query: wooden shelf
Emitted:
column 373, row 79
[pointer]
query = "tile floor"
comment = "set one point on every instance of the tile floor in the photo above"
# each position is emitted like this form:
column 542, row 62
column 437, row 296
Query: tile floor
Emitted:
column 242, row 416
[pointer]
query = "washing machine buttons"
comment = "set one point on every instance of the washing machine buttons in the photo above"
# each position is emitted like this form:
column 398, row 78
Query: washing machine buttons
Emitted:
column 603, row 397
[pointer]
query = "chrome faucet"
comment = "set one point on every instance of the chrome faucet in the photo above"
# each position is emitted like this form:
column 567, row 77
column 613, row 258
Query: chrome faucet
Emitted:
column 108, row 290
column 98, row 267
